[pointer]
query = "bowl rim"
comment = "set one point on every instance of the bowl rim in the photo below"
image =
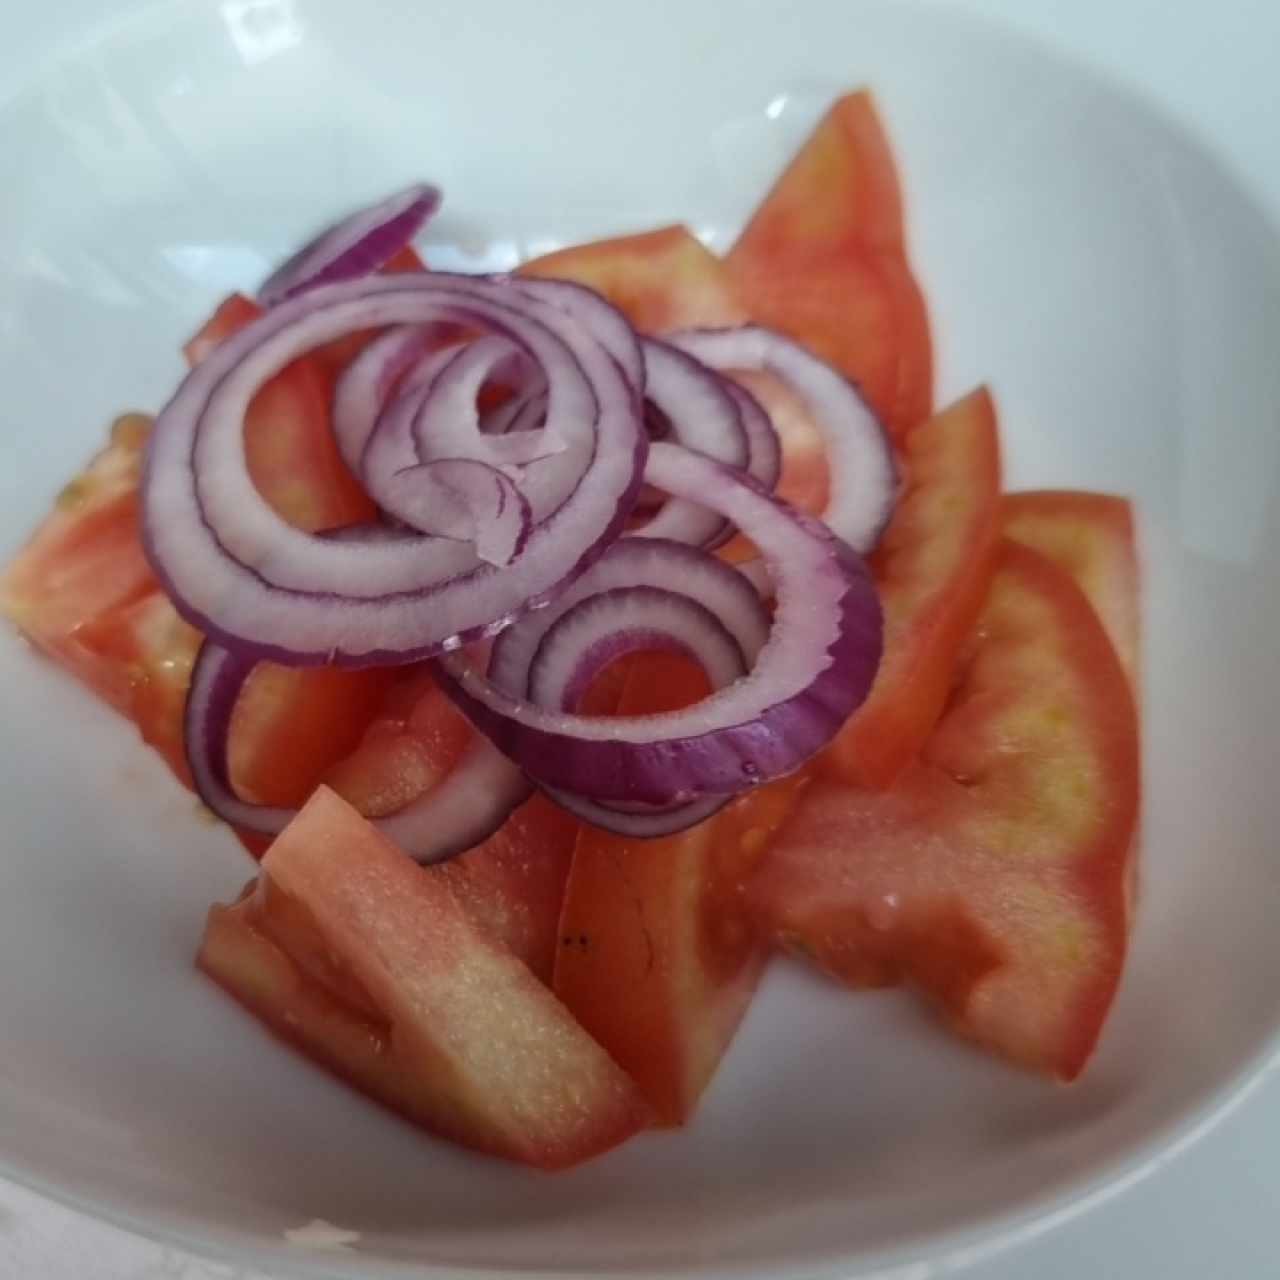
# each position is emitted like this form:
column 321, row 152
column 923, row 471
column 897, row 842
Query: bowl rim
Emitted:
column 987, row 1234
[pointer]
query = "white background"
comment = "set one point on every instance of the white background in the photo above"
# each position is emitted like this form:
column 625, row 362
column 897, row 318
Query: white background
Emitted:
column 1206, row 1209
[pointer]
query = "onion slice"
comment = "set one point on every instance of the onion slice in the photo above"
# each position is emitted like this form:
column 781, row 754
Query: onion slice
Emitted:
column 447, row 421
column 764, row 449
column 356, row 246
column 253, row 583
column 389, row 446
column 640, row 823
column 380, row 369
column 859, row 457
column 693, row 406
column 632, row 564
column 463, row 809
column 811, row 674
column 463, row 499
column 607, row 626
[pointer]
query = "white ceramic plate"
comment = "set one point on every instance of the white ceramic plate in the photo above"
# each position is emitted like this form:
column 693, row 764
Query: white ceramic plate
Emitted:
column 1120, row 294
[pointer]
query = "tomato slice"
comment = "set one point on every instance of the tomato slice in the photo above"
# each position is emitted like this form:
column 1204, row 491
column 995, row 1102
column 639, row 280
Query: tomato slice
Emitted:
column 666, row 279
column 82, row 589
column 994, row 874
column 406, row 259
column 661, row 280
column 933, row 567
column 83, row 560
column 512, row 885
column 292, row 457
column 824, row 259
column 656, row 957
column 153, row 650
column 367, row 963
column 1091, row 536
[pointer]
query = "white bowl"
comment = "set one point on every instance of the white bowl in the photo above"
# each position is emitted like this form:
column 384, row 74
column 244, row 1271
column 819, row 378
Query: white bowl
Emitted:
column 1122, row 296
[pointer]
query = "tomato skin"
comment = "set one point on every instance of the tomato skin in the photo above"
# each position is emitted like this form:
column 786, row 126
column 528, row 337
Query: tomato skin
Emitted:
column 933, row 567
column 83, row 560
column 368, row 964
column 82, row 590
column 657, row 958
column 512, row 884
column 154, row 650
column 1091, row 536
column 824, row 258
column 994, row 874
column 661, row 280
column 407, row 259
column 667, row 279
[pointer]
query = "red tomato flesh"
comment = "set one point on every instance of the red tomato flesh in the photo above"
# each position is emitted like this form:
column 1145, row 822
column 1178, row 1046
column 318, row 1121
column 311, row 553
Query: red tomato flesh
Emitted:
column 994, row 874
column 933, row 567
column 350, row 951
column 511, row 885
column 1091, row 536
column 661, row 280
column 824, row 259
column 656, row 957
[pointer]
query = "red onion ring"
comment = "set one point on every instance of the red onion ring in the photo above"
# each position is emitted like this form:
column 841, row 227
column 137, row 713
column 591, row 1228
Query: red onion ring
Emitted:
column 639, row 823
column 764, row 448
column 447, row 421
column 610, row 326
column 464, row 808
column 812, row 673
column 859, row 457
column 508, row 524
column 252, row 582
column 462, row 499
column 367, row 383
column 389, row 446
column 695, row 406
column 356, row 246
column 525, row 411
column 636, row 563
column 609, row 625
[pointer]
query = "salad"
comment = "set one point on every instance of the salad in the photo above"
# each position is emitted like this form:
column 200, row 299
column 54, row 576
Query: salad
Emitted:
column 564, row 645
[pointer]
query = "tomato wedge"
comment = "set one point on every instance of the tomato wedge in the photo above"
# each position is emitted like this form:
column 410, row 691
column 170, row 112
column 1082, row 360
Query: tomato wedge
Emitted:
column 83, row 591
column 85, row 560
column 824, row 258
column 292, row 725
column 154, row 650
column 512, row 885
column 933, row 567
column 657, row 959
column 662, row 280
column 1091, row 536
column 994, row 874
column 347, row 949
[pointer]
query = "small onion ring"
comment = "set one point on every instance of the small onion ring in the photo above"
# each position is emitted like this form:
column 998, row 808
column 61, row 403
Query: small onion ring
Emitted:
column 464, row 808
column 356, row 246
column 463, row 499
column 611, row 624
column 636, row 563
column 813, row 672
column 859, row 457
column 252, row 582
column 695, row 406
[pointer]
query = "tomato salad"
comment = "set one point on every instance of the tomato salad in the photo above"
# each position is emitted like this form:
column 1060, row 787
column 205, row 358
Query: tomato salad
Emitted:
column 565, row 644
